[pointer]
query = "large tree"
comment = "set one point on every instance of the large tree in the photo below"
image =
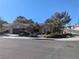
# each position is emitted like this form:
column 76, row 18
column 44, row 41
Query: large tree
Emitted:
column 24, row 20
column 37, row 27
column 28, row 23
column 59, row 20
column 62, row 18
column 20, row 19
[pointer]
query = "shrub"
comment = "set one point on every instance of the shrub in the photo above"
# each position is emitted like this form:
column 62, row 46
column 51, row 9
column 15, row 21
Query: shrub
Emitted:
column 59, row 35
column 47, row 32
column 33, row 35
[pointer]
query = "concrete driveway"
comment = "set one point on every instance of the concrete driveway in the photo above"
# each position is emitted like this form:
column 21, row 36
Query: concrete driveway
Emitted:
column 38, row 49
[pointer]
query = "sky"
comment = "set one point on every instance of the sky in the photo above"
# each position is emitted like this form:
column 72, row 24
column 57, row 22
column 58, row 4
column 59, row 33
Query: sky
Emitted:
column 38, row 10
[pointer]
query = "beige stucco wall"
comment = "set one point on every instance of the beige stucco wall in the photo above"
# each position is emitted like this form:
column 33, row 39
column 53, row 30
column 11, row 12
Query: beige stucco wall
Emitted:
column 76, row 28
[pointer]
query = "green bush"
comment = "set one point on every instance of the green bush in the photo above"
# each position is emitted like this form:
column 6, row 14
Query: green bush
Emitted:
column 59, row 35
column 47, row 32
column 33, row 35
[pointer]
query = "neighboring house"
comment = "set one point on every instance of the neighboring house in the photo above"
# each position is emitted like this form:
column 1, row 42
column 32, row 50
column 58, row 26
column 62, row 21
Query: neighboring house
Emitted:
column 76, row 27
column 70, row 28
column 20, row 26
column 8, row 27
column 51, row 28
column 46, row 27
column 15, row 28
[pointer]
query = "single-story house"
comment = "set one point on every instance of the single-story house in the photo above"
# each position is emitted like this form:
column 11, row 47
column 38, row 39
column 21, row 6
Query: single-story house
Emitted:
column 14, row 28
column 49, row 27
column 75, row 27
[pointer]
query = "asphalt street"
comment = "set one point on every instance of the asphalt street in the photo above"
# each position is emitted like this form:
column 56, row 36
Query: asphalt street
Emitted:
column 38, row 49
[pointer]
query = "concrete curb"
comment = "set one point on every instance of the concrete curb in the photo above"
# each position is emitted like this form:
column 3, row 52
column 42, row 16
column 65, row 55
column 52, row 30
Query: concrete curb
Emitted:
column 17, row 37
column 38, row 38
column 68, row 39
column 33, row 38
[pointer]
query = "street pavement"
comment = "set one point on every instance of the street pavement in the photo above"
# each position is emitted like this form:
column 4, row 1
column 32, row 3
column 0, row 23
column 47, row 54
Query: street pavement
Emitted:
column 38, row 49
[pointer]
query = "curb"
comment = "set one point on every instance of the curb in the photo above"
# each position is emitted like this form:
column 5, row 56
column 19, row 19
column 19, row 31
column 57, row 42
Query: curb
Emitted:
column 68, row 39
column 32, row 38
column 38, row 38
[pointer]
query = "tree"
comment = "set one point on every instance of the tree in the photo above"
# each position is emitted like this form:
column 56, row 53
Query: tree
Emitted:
column 48, row 20
column 27, row 24
column 21, row 19
column 59, row 20
column 2, row 21
column 37, row 27
column 62, row 17
column 31, row 21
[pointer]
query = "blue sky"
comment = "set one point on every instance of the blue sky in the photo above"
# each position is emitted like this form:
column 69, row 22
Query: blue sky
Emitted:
column 38, row 10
